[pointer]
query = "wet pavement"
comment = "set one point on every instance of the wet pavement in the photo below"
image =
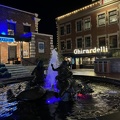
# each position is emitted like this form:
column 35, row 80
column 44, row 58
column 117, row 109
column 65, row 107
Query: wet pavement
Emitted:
column 90, row 72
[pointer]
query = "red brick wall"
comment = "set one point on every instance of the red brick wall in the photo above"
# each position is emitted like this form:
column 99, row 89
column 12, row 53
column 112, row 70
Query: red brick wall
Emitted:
column 46, row 40
column 95, row 31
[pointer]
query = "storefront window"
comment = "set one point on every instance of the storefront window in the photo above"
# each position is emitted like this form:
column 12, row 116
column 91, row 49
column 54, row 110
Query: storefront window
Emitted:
column 77, row 61
column 88, row 61
column 85, row 61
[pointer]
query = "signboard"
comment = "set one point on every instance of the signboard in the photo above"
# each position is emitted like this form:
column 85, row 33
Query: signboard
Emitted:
column 94, row 50
column 7, row 39
column 41, row 47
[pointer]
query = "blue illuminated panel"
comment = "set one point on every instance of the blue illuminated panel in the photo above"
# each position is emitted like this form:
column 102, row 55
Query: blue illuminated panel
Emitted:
column 7, row 39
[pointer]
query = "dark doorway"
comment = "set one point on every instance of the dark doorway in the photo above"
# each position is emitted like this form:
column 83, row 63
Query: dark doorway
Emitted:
column 12, row 53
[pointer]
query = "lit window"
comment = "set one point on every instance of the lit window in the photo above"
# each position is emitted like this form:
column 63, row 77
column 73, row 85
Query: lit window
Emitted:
column 26, row 50
column 11, row 28
column 113, row 16
column 105, row 1
column 87, row 24
column 101, row 19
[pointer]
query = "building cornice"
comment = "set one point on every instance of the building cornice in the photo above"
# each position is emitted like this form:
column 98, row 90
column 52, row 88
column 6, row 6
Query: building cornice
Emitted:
column 42, row 34
column 83, row 10
column 77, row 11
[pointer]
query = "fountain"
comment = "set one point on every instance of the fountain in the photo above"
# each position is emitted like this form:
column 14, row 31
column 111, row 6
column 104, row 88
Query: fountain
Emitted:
column 50, row 81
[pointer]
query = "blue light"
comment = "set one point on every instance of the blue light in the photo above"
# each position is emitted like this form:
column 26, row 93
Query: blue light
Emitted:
column 52, row 100
column 26, row 35
column 3, row 33
column 7, row 39
column 3, row 27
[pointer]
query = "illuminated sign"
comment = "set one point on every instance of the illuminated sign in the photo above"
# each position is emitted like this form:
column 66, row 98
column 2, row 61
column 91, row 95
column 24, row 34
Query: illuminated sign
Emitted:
column 95, row 50
column 6, row 39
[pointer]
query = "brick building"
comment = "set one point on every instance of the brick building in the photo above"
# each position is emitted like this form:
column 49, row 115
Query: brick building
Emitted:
column 20, row 41
column 90, row 32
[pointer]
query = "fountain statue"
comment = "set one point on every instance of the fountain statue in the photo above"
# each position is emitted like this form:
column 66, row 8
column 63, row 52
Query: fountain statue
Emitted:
column 59, row 77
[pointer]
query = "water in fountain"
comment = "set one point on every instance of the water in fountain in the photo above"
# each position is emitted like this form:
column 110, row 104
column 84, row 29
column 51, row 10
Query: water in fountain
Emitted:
column 50, row 81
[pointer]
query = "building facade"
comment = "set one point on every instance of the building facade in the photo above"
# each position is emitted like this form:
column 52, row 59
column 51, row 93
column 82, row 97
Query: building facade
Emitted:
column 90, row 33
column 20, row 41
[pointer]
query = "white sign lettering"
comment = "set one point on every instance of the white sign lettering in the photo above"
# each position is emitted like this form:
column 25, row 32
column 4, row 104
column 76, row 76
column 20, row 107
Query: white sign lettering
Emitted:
column 95, row 50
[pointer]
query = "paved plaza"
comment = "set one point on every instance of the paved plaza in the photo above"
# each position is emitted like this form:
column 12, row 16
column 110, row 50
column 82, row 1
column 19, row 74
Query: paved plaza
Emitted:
column 90, row 72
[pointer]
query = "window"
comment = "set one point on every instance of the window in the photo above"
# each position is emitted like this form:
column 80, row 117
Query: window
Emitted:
column 62, row 30
column 27, row 29
column 68, row 29
column 26, row 51
column 87, row 24
column 105, row 1
column 87, row 41
column 68, row 44
column 62, row 45
column 79, row 43
column 113, row 41
column 41, row 47
column 101, row 19
column 11, row 28
column 79, row 25
column 113, row 16
column 102, row 41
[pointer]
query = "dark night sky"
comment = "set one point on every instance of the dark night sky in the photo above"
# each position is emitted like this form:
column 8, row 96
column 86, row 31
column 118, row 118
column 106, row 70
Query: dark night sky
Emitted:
column 48, row 10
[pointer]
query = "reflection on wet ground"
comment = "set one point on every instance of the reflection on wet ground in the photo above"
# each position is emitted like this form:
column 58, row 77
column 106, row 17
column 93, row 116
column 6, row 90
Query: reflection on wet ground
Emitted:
column 105, row 100
column 91, row 72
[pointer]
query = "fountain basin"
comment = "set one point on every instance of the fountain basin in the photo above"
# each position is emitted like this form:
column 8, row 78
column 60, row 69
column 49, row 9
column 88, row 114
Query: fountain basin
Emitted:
column 104, row 103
